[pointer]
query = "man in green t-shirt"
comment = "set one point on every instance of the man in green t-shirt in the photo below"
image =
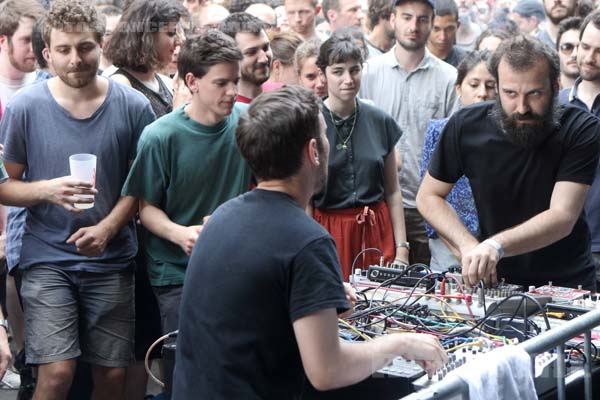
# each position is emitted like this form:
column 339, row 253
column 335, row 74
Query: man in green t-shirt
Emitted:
column 188, row 164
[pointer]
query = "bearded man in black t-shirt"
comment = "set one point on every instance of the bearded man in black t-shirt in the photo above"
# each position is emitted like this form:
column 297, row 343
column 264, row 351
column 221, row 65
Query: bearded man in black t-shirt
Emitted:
column 530, row 164
column 263, row 285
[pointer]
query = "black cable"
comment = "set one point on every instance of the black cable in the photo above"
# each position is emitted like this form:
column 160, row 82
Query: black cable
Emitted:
column 360, row 253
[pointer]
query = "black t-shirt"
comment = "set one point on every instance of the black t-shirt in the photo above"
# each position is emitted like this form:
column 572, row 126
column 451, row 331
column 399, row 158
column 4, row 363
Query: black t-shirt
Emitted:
column 512, row 184
column 260, row 264
column 356, row 174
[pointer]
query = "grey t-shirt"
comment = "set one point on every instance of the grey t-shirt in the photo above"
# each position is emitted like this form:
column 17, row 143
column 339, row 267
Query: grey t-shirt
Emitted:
column 41, row 135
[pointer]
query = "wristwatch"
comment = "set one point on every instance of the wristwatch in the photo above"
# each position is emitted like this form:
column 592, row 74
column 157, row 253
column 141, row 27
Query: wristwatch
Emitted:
column 4, row 324
column 403, row 244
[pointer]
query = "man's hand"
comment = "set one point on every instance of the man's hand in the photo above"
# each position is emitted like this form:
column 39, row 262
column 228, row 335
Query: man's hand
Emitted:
column 90, row 241
column 351, row 296
column 478, row 263
column 62, row 191
column 187, row 236
column 425, row 349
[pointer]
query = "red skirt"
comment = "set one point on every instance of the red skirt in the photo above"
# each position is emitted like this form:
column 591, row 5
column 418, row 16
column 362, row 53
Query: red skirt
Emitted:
column 355, row 229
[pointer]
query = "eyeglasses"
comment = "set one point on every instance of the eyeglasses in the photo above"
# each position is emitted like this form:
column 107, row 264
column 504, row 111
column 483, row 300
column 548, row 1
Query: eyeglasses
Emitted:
column 567, row 48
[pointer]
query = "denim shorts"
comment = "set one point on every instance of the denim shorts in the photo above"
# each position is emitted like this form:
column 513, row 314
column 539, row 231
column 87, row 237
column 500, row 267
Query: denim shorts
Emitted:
column 72, row 313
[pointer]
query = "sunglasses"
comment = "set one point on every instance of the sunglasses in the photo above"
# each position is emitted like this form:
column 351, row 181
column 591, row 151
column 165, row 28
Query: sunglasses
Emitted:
column 567, row 48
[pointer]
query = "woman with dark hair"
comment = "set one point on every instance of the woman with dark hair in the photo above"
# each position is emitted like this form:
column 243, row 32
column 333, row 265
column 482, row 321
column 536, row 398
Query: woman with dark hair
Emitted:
column 474, row 84
column 143, row 43
column 361, row 205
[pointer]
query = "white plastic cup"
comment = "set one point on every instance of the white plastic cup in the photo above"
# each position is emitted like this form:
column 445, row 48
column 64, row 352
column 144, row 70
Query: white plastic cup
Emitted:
column 83, row 167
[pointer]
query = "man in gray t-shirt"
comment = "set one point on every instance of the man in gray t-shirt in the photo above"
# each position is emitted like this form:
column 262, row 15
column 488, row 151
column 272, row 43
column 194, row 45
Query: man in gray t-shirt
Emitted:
column 414, row 87
column 77, row 286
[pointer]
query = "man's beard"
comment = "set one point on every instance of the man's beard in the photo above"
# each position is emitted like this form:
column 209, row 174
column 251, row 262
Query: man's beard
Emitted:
column 557, row 20
column 252, row 77
column 16, row 64
column 533, row 133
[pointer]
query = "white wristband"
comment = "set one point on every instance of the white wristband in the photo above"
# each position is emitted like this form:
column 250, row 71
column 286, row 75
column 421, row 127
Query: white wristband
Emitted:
column 493, row 243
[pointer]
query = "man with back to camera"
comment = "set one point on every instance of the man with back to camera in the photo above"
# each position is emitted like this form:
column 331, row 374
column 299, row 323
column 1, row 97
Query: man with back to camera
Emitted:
column 77, row 285
column 177, row 188
column 278, row 287
column 252, row 40
column 413, row 86
column 530, row 163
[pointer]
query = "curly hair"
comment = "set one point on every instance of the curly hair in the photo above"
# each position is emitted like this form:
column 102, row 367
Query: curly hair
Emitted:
column 11, row 12
column 73, row 16
column 133, row 42
column 201, row 52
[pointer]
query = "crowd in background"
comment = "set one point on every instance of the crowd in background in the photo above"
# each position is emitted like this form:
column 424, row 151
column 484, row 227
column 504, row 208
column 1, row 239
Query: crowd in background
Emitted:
column 390, row 74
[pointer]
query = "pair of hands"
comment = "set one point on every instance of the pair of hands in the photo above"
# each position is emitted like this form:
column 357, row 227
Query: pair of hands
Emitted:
column 186, row 236
column 479, row 262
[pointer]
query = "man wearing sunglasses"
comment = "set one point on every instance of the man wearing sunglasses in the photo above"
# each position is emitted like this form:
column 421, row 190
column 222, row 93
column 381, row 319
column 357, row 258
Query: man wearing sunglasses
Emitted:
column 585, row 94
column 567, row 44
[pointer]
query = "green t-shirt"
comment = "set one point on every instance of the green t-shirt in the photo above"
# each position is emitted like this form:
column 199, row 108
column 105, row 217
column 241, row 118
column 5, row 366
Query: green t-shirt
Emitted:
column 187, row 170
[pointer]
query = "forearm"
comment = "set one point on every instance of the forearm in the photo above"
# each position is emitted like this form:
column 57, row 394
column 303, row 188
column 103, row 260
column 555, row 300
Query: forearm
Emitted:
column 396, row 208
column 158, row 222
column 540, row 231
column 121, row 214
column 358, row 361
column 22, row 194
column 442, row 217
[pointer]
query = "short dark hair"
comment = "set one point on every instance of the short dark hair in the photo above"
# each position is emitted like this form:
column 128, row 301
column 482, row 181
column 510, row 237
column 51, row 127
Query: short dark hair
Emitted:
column 11, row 12
column 338, row 49
column 37, row 44
column 73, row 15
column 594, row 18
column 446, row 7
column 199, row 53
column 241, row 22
column 378, row 9
column 568, row 24
column 522, row 53
column 273, row 132
column 133, row 42
column 491, row 32
column 470, row 61
column 329, row 5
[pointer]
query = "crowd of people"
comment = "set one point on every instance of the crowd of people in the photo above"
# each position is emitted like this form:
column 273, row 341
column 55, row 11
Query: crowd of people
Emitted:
column 251, row 157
